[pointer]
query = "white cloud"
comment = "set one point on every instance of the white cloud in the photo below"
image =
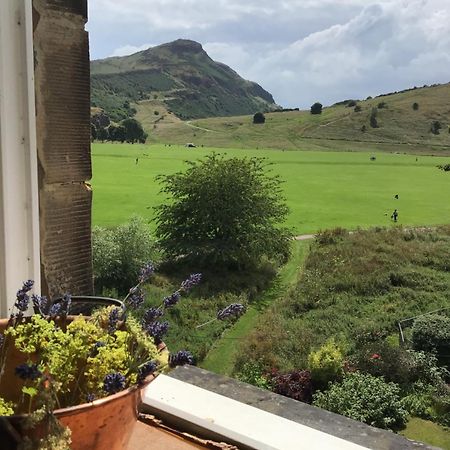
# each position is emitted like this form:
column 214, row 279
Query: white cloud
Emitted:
column 130, row 49
column 299, row 50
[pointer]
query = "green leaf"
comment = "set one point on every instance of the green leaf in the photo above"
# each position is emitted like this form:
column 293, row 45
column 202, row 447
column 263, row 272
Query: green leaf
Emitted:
column 31, row 391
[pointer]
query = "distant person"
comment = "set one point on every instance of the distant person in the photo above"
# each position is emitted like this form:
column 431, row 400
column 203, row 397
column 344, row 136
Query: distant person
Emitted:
column 396, row 196
column 394, row 215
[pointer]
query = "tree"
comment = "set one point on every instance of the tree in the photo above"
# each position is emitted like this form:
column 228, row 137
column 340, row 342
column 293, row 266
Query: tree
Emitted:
column 117, row 133
column 259, row 118
column 133, row 130
column 223, row 212
column 102, row 134
column 316, row 108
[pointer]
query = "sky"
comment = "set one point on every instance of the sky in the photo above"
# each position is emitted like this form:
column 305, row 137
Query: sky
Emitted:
column 301, row 51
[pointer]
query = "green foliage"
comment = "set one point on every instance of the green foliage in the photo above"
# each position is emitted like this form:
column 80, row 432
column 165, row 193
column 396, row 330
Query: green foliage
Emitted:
column 435, row 127
column 223, row 212
column 381, row 105
column 357, row 108
column 373, row 118
column 117, row 133
column 316, row 108
column 252, row 373
column 6, row 408
column 396, row 364
column 363, row 282
column 415, row 106
column 326, row 363
column 119, row 253
column 365, row 398
column 431, row 333
column 63, row 351
column 133, row 131
column 259, row 118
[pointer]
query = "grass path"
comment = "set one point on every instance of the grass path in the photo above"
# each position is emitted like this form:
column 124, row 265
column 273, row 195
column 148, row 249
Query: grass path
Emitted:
column 221, row 357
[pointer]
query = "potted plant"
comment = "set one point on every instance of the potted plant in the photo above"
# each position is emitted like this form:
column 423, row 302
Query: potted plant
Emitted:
column 74, row 381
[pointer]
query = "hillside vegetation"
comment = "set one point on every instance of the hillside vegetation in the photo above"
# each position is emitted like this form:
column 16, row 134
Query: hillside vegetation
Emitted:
column 404, row 124
column 179, row 77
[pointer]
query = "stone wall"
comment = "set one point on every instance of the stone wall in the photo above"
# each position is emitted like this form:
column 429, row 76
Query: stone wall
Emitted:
column 61, row 54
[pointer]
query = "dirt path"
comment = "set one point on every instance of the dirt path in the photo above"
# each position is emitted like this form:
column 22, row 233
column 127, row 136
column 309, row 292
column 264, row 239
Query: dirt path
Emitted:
column 189, row 124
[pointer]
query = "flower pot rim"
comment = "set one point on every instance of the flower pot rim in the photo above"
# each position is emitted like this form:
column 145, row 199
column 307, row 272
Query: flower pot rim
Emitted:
column 69, row 410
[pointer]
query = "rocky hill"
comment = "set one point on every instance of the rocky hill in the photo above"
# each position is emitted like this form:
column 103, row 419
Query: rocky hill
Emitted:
column 179, row 76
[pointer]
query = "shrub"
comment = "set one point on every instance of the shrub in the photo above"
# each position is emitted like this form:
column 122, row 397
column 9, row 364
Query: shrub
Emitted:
column 431, row 333
column 252, row 373
column 224, row 213
column 351, row 103
column 415, row 106
column 326, row 363
column 296, row 385
column 396, row 364
column 332, row 236
column 119, row 253
column 381, row 105
column 444, row 167
column 363, row 128
column 357, row 108
column 435, row 126
column 316, row 108
column 365, row 398
column 259, row 118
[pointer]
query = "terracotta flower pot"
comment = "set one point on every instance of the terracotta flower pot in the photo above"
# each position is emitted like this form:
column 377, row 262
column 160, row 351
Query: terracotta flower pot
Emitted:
column 104, row 424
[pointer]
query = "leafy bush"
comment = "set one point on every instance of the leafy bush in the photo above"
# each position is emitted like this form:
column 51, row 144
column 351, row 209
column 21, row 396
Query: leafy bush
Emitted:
column 431, row 333
column 119, row 253
column 357, row 108
column 316, row 108
column 435, row 126
column 252, row 373
column 332, row 236
column 397, row 364
column 415, row 106
column 225, row 212
column 365, row 398
column 296, row 385
column 259, row 118
column 326, row 363
column 381, row 105
column 351, row 103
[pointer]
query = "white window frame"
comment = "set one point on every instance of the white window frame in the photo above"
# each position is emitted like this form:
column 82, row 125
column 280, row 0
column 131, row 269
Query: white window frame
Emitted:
column 19, row 194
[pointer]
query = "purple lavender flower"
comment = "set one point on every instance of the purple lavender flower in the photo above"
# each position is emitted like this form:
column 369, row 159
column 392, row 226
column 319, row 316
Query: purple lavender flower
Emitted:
column 151, row 315
column 180, row 358
column 172, row 299
column 136, row 298
column 233, row 310
column 55, row 310
column 192, row 281
column 146, row 272
column 145, row 370
column 40, row 303
column 157, row 330
column 114, row 317
column 114, row 382
column 26, row 371
column 66, row 302
column 90, row 397
column 22, row 298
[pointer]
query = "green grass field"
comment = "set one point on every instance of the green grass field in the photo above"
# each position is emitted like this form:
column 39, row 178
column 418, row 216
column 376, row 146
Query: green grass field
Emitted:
column 323, row 189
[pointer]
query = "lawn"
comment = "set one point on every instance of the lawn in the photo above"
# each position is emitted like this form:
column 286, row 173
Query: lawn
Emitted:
column 322, row 189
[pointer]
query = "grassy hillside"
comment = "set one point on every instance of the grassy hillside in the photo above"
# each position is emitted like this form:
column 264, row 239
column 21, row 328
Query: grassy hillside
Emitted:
column 400, row 127
column 322, row 189
column 182, row 76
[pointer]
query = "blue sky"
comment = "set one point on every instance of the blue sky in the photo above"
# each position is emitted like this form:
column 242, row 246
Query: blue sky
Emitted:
column 301, row 51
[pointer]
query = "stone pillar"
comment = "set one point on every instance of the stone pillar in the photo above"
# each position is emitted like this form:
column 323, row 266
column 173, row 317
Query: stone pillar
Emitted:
column 61, row 59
